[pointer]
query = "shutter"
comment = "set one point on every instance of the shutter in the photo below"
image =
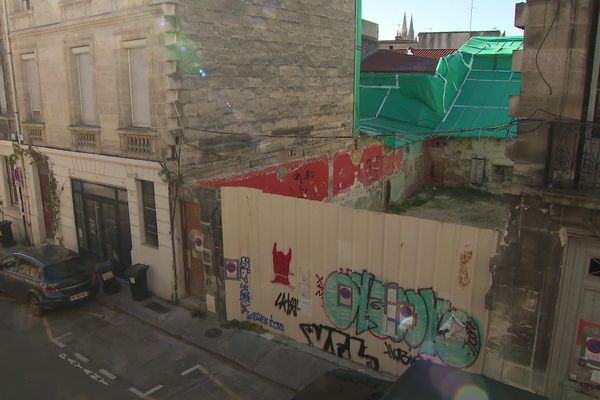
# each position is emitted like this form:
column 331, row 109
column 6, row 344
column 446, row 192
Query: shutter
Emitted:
column 86, row 89
column 34, row 87
column 139, row 75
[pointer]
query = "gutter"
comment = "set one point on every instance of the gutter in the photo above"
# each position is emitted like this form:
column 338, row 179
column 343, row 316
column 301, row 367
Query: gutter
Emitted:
column 357, row 60
column 13, row 95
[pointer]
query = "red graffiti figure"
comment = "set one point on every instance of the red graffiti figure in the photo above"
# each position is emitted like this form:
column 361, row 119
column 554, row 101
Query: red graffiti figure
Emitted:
column 281, row 266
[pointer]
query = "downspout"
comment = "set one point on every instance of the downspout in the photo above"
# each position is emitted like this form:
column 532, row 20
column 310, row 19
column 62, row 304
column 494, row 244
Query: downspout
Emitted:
column 13, row 96
column 357, row 59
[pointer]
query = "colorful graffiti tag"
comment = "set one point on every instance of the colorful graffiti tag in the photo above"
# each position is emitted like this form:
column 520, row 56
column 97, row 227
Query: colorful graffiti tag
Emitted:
column 281, row 266
column 416, row 317
column 263, row 319
column 245, row 300
column 398, row 354
column 341, row 344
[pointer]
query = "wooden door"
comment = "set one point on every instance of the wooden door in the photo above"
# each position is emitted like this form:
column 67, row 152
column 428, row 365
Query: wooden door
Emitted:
column 194, row 254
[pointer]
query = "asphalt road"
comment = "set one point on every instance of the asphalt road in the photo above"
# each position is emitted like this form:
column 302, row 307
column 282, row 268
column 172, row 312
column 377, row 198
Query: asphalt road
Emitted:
column 90, row 352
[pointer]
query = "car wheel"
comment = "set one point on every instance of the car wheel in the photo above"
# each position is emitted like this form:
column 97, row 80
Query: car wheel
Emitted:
column 36, row 305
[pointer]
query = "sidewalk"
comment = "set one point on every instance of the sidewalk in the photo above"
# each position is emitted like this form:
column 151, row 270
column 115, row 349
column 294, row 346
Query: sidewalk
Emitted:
column 277, row 359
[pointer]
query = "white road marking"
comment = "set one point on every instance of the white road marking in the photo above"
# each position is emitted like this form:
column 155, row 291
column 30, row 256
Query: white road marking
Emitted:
column 81, row 357
column 107, row 374
column 57, row 341
column 187, row 371
column 88, row 372
column 148, row 393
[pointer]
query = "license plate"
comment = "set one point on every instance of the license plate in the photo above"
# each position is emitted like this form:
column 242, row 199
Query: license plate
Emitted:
column 78, row 296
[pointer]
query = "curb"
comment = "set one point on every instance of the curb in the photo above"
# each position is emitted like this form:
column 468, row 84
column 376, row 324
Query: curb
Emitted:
column 199, row 346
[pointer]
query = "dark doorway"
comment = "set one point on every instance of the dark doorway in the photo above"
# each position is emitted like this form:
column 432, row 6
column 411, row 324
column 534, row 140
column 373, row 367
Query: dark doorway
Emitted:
column 194, row 257
column 102, row 220
column 45, row 194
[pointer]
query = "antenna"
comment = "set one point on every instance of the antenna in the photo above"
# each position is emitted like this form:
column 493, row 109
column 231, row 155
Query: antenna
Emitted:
column 471, row 17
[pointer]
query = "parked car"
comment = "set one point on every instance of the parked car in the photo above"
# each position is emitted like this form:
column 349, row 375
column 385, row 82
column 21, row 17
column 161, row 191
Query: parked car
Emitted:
column 48, row 276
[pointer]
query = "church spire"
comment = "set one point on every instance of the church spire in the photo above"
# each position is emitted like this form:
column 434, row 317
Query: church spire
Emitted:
column 403, row 30
column 411, row 31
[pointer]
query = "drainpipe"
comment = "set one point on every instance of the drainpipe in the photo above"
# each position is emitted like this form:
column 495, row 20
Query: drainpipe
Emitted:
column 357, row 59
column 13, row 97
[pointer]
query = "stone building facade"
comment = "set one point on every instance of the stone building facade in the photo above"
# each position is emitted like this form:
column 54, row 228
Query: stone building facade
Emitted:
column 544, row 296
column 90, row 79
column 126, row 107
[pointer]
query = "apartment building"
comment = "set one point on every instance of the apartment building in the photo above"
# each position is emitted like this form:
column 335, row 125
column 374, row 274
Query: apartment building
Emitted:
column 116, row 113
column 545, row 290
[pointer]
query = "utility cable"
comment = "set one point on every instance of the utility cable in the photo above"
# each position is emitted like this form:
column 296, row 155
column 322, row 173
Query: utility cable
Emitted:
column 537, row 65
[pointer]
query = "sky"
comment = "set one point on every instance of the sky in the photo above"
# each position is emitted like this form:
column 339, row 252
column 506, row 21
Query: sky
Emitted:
column 441, row 15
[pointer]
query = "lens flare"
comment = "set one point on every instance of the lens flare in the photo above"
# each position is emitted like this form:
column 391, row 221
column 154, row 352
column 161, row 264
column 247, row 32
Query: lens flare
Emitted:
column 162, row 22
column 270, row 10
column 470, row 392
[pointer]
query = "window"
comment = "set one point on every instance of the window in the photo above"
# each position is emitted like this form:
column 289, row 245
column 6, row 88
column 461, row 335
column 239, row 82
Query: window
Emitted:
column 25, row 5
column 3, row 102
column 150, row 228
column 25, row 268
column 10, row 181
column 594, row 267
column 9, row 263
column 139, row 78
column 85, row 83
column 502, row 173
column 34, row 103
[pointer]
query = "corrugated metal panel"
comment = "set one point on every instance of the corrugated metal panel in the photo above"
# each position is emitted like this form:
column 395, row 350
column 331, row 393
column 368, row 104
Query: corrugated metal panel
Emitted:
column 349, row 269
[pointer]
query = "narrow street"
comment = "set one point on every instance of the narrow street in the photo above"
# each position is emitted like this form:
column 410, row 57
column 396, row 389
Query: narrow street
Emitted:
column 91, row 352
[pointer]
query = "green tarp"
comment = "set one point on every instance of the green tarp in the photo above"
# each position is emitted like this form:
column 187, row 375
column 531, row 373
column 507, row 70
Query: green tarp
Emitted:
column 468, row 96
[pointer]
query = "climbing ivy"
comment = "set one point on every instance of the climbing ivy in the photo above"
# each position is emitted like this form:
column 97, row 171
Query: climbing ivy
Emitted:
column 41, row 161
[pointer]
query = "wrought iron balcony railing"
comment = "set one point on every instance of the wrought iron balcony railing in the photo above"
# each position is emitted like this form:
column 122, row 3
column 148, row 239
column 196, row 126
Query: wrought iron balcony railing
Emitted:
column 574, row 157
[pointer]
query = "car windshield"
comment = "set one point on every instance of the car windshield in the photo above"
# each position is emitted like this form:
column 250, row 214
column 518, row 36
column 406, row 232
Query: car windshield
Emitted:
column 65, row 269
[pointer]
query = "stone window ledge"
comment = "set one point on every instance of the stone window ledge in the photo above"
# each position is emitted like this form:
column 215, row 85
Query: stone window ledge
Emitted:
column 137, row 131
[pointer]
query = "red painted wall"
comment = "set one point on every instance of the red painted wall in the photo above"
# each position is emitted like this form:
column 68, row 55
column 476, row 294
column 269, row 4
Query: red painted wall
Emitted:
column 309, row 179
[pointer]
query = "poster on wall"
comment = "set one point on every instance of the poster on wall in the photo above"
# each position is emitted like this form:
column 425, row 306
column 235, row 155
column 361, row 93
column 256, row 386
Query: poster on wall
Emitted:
column 592, row 349
column 198, row 244
column 231, row 269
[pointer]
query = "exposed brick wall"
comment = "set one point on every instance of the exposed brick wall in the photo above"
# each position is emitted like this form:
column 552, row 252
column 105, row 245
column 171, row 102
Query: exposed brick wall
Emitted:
column 281, row 68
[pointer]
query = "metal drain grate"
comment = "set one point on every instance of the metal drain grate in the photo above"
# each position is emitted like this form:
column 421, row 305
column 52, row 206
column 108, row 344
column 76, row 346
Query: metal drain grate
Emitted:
column 158, row 308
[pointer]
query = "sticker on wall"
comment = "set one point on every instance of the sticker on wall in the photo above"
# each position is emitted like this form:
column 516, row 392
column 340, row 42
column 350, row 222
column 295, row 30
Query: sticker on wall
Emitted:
column 592, row 349
column 304, row 285
column 198, row 243
column 231, row 269
column 345, row 296
column 281, row 266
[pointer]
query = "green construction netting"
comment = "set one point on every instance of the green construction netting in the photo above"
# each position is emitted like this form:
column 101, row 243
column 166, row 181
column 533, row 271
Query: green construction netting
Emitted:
column 468, row 96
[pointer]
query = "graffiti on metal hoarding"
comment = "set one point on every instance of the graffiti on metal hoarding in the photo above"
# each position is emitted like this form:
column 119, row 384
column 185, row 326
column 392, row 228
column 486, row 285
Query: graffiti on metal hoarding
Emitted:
column 415, row 317
column 263, row 319
column 320, row 287
column 341, row 344
column 398, row 354
column 463, row 275
column 281, row 266
column 244, row 269
column 287, row 303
